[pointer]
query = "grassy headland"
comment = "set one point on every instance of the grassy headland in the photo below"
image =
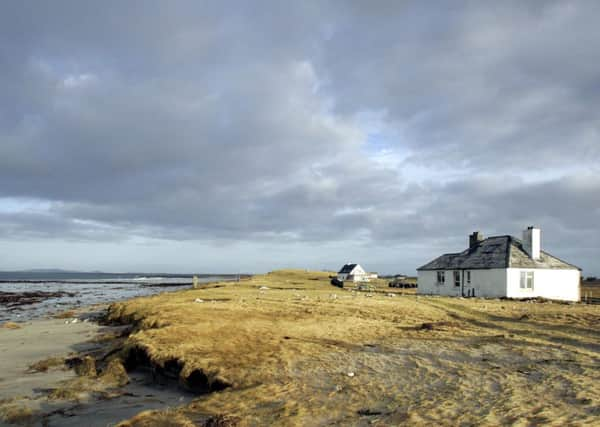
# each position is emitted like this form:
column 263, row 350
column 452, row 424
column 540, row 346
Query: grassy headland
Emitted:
column 288, row 348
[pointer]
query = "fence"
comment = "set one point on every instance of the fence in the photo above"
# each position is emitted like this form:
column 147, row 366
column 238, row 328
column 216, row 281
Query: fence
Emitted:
column 589, row 298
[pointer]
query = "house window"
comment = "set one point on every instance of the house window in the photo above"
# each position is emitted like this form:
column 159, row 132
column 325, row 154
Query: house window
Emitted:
column 457, row 278
column 527, row 280
column 441, row 277
column 468, row 277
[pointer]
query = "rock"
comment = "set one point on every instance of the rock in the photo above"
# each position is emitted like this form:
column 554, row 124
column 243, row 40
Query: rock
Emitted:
column 350, row 374
column 198, row 300
column 426, row 326
column 263, row 288
column 368, row 412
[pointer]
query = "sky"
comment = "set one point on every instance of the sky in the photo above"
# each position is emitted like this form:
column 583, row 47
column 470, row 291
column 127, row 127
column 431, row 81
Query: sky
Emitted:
column 190, row 136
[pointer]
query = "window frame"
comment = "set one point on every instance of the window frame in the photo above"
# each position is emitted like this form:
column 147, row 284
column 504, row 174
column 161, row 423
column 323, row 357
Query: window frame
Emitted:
column 456, row 278
column 527, row 280
column 441, row 277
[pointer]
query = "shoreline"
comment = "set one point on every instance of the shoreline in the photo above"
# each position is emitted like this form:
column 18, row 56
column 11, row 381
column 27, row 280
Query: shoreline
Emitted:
column 39, row 299
column 42, row 382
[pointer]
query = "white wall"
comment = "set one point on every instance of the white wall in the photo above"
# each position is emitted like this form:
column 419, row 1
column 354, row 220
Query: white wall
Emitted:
column 500, row 282
column 358, row 271
column 547, row 283
column 486, row 283
column 426, row 282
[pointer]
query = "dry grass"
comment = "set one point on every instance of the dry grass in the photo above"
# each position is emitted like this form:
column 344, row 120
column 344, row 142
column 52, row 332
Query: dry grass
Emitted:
column 86, row 367
column 72, row 390
column 167, row 418
column 305, row 352
column 44, row 365
column 89, row 381
column 16, row 413
column 175, row 418
column 114, row 374
column 69, row 314
column 10, row 325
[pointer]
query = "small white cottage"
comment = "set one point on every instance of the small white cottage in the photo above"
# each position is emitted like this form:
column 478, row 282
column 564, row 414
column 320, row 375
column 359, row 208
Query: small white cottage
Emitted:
column 352, row 273
column 501, row 266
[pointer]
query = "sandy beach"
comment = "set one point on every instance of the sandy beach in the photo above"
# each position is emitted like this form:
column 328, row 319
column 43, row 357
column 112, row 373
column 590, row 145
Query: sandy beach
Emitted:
column 40, row 340
column 48, row 327
column 32, row 367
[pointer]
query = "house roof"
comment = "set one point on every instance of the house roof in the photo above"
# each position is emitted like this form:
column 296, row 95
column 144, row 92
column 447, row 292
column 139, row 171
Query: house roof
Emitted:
column 347, row 268
column 495, row 252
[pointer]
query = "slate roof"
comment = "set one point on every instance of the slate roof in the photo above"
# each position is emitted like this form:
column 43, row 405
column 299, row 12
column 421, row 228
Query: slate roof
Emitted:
column 347, row 268
column 495, row 252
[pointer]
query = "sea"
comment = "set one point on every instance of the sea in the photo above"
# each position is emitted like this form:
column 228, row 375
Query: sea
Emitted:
column 54, row 292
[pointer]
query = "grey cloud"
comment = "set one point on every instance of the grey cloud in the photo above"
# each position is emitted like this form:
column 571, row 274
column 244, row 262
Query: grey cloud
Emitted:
column 216, row 123
column 476, row 81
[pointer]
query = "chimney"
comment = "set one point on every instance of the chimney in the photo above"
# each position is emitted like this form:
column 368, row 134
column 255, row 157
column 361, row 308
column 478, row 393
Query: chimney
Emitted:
column 532, row 242
column 475, row 238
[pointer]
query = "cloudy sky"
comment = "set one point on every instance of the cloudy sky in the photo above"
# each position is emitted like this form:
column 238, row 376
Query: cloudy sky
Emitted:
column 247, row 136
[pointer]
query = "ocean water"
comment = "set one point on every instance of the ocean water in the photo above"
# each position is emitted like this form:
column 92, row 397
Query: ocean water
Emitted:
column 87, row 289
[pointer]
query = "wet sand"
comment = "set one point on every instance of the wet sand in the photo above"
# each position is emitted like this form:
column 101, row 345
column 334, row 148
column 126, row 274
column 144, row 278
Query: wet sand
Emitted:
column 39, row 340
column 35, row 341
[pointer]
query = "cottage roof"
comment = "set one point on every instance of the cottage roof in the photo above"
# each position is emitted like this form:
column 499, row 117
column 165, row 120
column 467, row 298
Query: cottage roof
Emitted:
column 495, row 252
column 347, row 268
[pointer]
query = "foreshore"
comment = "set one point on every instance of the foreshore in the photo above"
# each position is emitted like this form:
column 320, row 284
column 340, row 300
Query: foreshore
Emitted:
column 288, row 348
column 46, row 380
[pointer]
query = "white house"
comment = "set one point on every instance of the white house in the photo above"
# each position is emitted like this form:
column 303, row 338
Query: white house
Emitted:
column 501, row 266
column 353, row 273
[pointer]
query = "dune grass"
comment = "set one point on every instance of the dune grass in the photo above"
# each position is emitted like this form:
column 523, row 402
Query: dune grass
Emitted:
column 288, row 348
column 90, row 380
column 45, row 364
column 10, row 325
column 16, row 413
column 68, row 314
